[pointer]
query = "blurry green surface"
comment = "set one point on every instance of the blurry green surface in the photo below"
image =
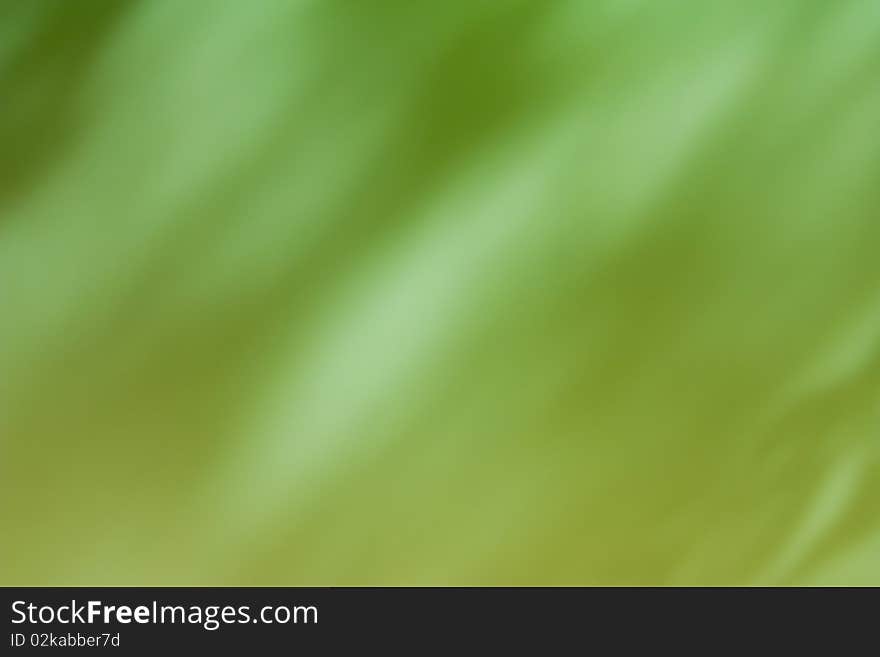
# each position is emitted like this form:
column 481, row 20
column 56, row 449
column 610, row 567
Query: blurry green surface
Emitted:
column 462, row 292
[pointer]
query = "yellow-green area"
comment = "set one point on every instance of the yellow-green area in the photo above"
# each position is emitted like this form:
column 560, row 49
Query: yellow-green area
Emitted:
column 460, row 292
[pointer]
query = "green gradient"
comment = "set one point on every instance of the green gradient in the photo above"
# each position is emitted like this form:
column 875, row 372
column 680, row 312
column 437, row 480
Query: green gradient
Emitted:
column 463, row 292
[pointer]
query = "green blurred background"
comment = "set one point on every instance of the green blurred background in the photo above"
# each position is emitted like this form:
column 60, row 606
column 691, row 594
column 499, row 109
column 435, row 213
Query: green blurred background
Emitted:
column 468, row 292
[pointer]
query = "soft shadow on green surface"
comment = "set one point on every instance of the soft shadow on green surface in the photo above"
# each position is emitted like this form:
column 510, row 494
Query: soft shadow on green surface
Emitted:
column 471, row 292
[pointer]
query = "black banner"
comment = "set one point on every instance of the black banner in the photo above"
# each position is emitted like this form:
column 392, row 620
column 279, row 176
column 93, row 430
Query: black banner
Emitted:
column 139, row 620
